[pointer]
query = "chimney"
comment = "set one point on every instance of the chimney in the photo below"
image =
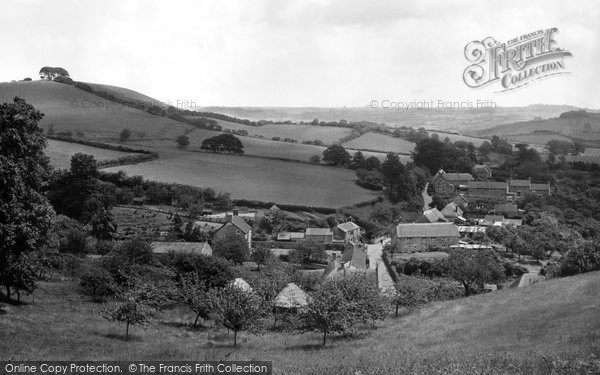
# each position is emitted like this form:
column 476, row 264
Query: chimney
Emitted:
column 228, row 217
column 236, row 212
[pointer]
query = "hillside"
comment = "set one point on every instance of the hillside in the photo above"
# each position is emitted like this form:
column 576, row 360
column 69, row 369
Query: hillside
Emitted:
column 530, row 330
column 586, row 128
column 75, row 110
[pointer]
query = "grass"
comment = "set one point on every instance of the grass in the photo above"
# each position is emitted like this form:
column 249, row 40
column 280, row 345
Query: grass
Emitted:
column 536, row 138
column 380, row 142
column 72, row 109
column 60, row 153
column 260, row 179
column 529, row 330
column 459, row 137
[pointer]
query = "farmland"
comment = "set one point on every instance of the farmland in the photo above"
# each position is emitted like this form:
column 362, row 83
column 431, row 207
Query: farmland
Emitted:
column 525, row 331
column 60, row 153
column 536, row 138
column 257, row 179
column 459, row 137
column 380, row 142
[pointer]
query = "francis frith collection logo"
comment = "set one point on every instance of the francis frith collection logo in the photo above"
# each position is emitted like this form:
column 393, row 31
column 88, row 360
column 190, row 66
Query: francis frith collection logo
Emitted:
column 515, row 63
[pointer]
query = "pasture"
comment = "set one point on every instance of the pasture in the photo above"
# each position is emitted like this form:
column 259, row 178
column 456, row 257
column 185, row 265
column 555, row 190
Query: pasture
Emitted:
column 60, row 153
column 459, row 137
column 380, row 142
column 549, row 327
column 75, row 110
column 536, row 138
column 259, row 179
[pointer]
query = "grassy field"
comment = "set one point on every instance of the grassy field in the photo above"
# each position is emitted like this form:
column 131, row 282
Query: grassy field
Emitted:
column 459, row 137
column 327, row 134
column 257, row 179
column 540, row 329
column 72, row 109
column 60, row 153
column 380, row 142
column 536, row 138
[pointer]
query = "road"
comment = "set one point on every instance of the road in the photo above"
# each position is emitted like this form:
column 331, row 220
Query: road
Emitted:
column 375, row 262
column 426, row 198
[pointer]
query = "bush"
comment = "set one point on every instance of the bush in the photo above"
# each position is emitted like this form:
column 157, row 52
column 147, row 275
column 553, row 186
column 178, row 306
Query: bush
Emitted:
column 74, row 243
column 97, row 282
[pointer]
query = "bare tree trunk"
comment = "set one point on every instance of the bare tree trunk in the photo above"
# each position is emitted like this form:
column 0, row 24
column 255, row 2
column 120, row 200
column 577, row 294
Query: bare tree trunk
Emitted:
column 235, row 338
column 324, row 337
column 127, row 331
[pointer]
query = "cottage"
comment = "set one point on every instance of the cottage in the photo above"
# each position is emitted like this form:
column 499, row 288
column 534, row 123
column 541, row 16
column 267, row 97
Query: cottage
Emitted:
column 482, row 172
column 347, row 232
column 452, row 211
column 431, row 216
column 447, row 184
column 519, row 187
column 191, row 248
column 460, row 200
column 541, row 189
column 235, row 226
column 488, row 190
column 354, row 258
column 322, row 235
column 424, row 237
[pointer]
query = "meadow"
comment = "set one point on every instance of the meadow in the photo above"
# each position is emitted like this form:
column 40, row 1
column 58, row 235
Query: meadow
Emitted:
column 380, row 142
column 255, row 178
column 536, row 138
column 459, row 137
column 60, row 153
column 549, row 327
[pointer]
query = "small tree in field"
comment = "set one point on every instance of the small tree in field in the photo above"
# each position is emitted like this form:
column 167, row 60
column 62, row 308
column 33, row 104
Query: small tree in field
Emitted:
column 196, row 296
column 410, row 292
column 183, row 141
column 233, row 248
column 130, row 313
column 261, row 256
column 125, row 135
column 473, row 268
column 97, row 282
column 237, row 310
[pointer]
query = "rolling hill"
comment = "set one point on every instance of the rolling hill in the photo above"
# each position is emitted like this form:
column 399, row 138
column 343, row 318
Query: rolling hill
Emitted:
column 549, row 327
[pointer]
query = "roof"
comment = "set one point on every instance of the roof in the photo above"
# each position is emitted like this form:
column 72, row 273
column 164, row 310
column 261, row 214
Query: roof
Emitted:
column 195, row 248
column 540, row 186
column 319, row 232
column 433, row 215
column 471, row 229
column 451, row 210
column 487, row 185
column 290, row 236
column 513, row 222
column 240, row 224
column 242, row 284
column 493, row 218
column 291, row 297
column 458, row 176
column 348, row 226
column 523, row 183
column 356, row 257
column 426, row 230
column 482, row 166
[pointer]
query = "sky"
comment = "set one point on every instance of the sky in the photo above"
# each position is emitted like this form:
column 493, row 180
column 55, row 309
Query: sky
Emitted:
column 292, row 53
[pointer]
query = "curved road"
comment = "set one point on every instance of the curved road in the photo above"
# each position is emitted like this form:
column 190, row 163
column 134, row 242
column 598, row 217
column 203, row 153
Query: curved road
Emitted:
column 374, row 252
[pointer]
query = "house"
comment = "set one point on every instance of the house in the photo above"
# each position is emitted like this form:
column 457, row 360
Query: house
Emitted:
column 541, row 189
column 468, row 231
column 416, row 237
column 322, row 235
column 354, row 258
column 488, row 190
column 431, row 216
column 291, row 298
column 519, row 187
column 460, row 200
column 193, row 248
column 452, row 211
column 290, row 236
column 492, row 220
column 507, row 209
column 482, row 172
column 347, row 232
column 446, row 184
column 235, row 226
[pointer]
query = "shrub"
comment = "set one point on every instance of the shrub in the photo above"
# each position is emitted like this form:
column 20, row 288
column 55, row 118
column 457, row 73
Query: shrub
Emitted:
column 97, row 282
column 75, row 242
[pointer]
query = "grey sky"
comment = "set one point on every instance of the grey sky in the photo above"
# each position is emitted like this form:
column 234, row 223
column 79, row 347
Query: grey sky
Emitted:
column 295, row 53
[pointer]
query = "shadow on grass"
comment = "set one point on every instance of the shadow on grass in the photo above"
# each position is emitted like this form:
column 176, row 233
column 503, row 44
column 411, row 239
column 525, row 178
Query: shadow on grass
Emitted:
column 186, row 326
column 121, row 337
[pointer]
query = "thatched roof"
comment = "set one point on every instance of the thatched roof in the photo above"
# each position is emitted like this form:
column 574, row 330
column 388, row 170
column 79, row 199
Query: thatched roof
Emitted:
column 242, row 284
column 291, row 297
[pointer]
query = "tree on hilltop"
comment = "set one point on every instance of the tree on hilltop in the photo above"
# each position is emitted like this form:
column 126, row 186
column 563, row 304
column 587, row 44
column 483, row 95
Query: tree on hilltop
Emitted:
column 223, row 143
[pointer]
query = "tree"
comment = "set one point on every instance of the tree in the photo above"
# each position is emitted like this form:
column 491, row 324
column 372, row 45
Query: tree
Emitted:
column 327, row 311
column 75, row 242
column 196, row 296
column 103, row 225
column 212, row 272
column 308, row 251
column 125, row 135
column 97, row 282
column 485, row 147
column 223, row 143
column 261, row 255
column 233, row 248
column 410, row 293
column 358, row 161
column 336, row 155
column 130, row 313
column 53, row 74
column 315, row 159
column 237, row 310
column 26, row 215
column 183, row 141
column 396, row 178
column 473, row 268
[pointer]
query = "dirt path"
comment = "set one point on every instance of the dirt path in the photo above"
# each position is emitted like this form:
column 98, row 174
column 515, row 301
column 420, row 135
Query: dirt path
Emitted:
column 375, row 262
column 426, row 198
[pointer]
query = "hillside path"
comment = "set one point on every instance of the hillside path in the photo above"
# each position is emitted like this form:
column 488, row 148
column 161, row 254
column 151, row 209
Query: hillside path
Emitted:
column 426, row 198
column 374, row 252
